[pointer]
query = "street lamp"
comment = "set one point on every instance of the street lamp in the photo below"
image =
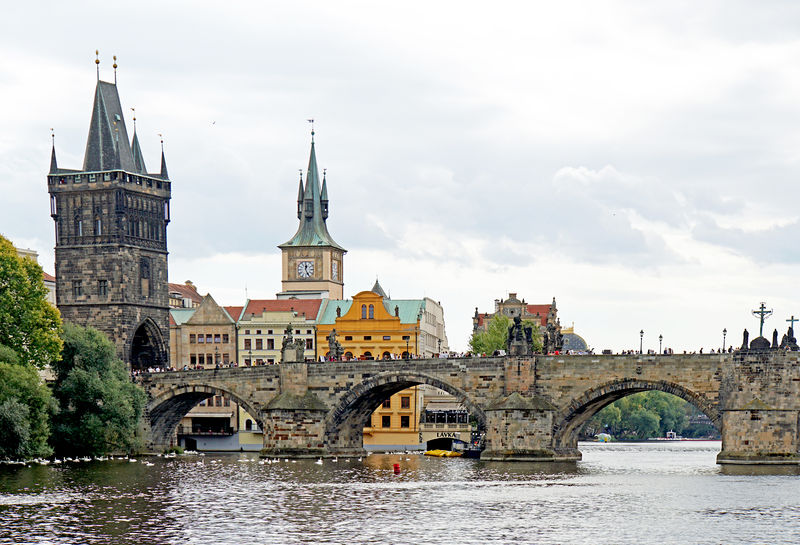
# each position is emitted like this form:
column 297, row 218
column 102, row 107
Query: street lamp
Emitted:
column 250, row 357
column 724, row 334
column 216, row 356
column 641, row 339
column 408, row 356
column 660, row 338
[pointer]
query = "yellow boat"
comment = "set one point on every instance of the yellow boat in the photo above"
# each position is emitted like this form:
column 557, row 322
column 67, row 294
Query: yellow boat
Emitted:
column 443, row 453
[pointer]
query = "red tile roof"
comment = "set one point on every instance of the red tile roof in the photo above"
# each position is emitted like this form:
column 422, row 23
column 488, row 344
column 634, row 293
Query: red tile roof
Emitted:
column 48, row 277
column 186, row 291
column 235, row 312
column 172, row 321
column 307, row 307
column 543, row 311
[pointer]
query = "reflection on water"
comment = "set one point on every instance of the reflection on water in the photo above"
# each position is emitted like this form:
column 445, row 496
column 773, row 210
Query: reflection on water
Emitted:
column 619, row 493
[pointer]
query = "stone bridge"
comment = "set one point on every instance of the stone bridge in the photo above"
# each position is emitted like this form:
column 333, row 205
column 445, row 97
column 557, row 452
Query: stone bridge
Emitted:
column 531, row 407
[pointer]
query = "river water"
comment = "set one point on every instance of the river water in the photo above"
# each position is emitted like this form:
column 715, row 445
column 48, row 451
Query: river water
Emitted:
column 620, row 493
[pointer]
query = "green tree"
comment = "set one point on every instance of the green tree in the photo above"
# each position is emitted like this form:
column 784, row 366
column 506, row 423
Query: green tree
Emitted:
column 29, row 325
column 26, row 405
column 100, row 406
column 641, row 416
column 496, row 335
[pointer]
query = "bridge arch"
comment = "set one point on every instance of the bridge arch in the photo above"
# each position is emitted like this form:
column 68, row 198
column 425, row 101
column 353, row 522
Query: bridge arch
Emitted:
column 571, row 419
column 166, row 410
column 345, row 422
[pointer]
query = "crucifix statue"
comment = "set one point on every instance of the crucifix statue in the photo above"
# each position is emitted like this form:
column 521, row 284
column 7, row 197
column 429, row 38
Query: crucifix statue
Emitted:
column 763, row 314
column 792, row 320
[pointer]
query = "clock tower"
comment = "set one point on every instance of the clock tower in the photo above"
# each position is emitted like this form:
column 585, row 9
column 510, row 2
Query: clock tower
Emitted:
column 311, row 260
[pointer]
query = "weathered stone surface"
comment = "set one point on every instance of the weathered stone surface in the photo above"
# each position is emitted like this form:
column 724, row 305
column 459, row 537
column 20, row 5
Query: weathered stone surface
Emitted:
column 531, row 408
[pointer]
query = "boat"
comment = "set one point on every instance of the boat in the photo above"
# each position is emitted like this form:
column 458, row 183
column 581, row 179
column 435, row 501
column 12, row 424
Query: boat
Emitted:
column 441, row 453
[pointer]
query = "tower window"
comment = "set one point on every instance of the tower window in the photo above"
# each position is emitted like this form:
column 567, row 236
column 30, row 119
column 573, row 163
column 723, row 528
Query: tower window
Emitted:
column 371, row 312
column 144, row 277
column 77, row 288
column 102, row 288
column 363, row 312
column 98, row 226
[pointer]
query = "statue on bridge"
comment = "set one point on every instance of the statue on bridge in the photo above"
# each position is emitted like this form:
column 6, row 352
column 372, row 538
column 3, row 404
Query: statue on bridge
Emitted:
column 292, row 350
column 789, row 342
column 520, row 339
column 334, row 347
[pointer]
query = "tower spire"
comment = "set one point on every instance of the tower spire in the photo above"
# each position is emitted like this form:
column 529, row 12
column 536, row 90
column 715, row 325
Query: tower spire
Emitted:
column 300, row 196
column 164, row 174
column 136, row 150
column 53, row 162
column 323, row 200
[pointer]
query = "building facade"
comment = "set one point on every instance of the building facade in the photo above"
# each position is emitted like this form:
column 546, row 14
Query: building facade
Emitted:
column 262, row 326
column 111, row 221
column 312, row 263
column 203, row 337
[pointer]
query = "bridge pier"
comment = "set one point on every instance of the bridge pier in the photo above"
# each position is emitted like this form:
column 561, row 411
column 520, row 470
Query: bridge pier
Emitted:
column 761, row 409
column 520, row 428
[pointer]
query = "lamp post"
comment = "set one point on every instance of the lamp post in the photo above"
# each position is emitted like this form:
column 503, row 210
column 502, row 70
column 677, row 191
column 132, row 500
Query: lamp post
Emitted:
column 408, row 356
column 724, row 334
column 641, row 339
column 250, row 357
column 216, row 356
column 439, row 351
column 660, row 338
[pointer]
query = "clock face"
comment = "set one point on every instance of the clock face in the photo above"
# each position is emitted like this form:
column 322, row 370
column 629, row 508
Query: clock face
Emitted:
column 305, row 269
column 335, row 270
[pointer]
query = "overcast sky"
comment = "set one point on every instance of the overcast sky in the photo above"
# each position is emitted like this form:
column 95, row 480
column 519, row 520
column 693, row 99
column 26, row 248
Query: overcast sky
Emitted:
column 636, row 160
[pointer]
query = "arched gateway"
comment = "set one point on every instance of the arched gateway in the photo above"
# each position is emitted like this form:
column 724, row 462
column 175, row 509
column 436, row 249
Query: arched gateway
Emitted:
column 147, row 347
column 532, row 407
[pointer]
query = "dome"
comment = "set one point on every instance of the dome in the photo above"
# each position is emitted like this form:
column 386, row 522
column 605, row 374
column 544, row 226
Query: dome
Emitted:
column 574, row 342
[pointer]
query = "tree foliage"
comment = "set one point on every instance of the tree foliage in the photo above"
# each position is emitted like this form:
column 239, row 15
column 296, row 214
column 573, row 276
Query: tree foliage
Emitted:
column 29, row 325
column 496, row 335
column 26, row 405
column 100, row 406
column 641, row 416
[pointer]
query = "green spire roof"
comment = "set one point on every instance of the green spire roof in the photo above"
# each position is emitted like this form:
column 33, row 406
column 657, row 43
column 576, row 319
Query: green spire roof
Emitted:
column 312, row 230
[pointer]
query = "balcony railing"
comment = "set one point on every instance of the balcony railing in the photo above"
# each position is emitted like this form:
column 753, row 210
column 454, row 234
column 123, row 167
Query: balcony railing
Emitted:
column 201, row 430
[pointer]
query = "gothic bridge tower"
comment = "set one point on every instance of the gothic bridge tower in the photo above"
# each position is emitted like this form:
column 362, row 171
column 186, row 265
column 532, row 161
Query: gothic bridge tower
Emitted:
column 311, row 260
column 111, row 221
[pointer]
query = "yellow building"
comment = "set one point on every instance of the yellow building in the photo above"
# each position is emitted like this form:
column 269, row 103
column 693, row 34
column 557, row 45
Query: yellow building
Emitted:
column 371, row 326
column 395, row 424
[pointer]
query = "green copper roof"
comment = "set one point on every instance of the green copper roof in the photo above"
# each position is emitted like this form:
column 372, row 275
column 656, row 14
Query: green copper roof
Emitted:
column 408, row 309
column 181, row 315
column 312, row 230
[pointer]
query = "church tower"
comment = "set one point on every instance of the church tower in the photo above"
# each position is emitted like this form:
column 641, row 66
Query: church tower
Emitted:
column 311, row 260
column 111, row 221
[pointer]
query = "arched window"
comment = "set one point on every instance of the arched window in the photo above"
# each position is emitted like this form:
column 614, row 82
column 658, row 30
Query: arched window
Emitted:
column 248, row 425
column 387, row 356
column 371, row 312
column 364, row 312
column 98, row 226
column 348, row 356
column 367, row 355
